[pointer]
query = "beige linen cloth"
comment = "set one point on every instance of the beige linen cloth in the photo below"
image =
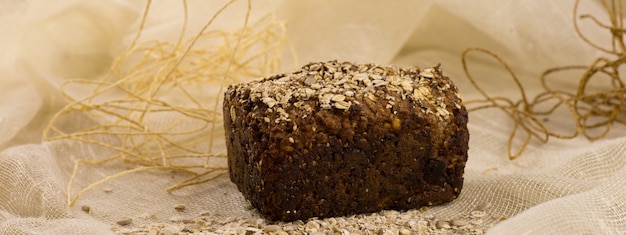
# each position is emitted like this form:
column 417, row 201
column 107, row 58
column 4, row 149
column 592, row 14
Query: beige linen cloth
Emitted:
column 563, row 187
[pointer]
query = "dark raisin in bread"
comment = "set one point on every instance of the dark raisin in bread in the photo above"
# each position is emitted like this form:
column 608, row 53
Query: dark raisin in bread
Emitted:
column 337, row 138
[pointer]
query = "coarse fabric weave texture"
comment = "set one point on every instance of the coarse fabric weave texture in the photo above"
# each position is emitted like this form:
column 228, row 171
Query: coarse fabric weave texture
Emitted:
column 561, row 187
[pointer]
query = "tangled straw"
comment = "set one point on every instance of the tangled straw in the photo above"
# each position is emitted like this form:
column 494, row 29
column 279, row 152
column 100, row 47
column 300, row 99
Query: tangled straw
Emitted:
column 589, row 110
column 158, row 107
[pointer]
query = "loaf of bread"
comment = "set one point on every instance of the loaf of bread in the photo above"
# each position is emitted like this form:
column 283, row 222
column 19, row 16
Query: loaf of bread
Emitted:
column 337, row 138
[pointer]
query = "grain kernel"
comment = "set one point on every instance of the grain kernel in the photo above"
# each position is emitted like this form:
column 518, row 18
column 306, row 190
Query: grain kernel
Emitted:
column 125, row 221
column 442, row 224
column 338, row 98
column 271, row 228
column 286, row 148
column 180, row 207
column 478, row 214
column 396, row 124
column 483, row 206
column 459, row 222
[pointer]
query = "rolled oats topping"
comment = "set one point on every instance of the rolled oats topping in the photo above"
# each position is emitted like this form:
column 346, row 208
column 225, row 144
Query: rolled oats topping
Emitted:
column 339, row 85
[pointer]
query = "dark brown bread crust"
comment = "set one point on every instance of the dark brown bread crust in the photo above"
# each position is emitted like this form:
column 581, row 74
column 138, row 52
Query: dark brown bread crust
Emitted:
column 388, row 146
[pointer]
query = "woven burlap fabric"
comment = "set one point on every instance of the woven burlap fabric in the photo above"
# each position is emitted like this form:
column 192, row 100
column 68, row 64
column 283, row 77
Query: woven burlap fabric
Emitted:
column 562, row 187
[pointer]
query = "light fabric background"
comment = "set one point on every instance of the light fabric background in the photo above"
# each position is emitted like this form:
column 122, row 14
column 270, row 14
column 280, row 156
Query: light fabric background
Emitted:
column 562, row 187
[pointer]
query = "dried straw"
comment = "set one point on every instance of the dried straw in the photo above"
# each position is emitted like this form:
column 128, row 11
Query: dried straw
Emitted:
column 589, row 109
column 151, row 109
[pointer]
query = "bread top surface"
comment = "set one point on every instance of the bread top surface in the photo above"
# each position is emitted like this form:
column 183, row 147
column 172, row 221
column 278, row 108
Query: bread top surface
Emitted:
column 336, row 85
